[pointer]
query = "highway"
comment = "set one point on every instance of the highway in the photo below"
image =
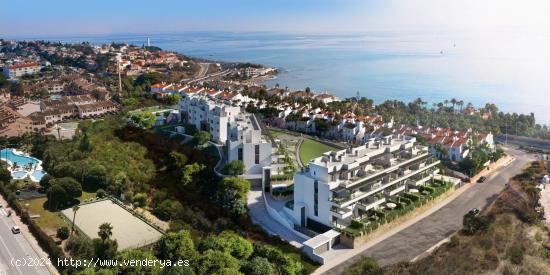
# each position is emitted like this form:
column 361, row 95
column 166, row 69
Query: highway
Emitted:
column 15, row 247
column 414, row 240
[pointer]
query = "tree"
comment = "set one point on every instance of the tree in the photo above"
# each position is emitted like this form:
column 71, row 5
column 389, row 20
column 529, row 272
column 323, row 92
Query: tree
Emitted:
column 175, row 246
column 231, row 195
column 45, row 181
column 228, row 242
column 63, row 233
column 105, row 249
column 5, row 175
column 177, row 160
column 80, row 247
column 173, row 99
column 56, row 195
column 190, row 170
column 75, row 209
column 234, row 168
column 95, row 176
column 365, row 266
column 258, row 266
column 202, row 137
column 216, row 262
column 105, row 231
column 178, row 270
column 85, row 145
column 137, row 255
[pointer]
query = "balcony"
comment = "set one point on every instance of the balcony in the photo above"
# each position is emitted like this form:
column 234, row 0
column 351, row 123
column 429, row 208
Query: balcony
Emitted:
column 370, row 205
column 341, row 213
column 379, row 169
column 357, row 194
column 392, row 191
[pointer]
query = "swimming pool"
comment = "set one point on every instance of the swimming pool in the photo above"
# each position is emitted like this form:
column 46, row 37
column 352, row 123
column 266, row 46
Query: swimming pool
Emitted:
column 19, row 174
column 33, row 165
column 37, row 175
column 20, row 160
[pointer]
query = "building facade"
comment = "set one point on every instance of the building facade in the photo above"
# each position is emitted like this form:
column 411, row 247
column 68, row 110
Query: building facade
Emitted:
column 245, row 143
column 341, row 186
column 18, row 70
column 209, row 114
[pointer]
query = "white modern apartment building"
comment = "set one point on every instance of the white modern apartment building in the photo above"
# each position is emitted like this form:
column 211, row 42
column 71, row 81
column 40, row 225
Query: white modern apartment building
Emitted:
column 343, row 185
column 209, row 114
column 245, row 143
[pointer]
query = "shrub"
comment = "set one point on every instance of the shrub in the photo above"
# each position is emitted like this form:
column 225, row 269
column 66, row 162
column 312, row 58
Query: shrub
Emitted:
column 101, row 193
column 515, row 253
column 365, row 265
column 63, row 233
column 486, row 243
column 234, row 168
column 140, row 199
column 455, row 241
column 412, row 197
column 258, row 266
column 356, row 224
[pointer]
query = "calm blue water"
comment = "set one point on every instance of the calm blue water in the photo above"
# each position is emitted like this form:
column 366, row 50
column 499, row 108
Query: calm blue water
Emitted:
column 509, row 68
column 38, row 174
column 19, row 174
column 21, row 160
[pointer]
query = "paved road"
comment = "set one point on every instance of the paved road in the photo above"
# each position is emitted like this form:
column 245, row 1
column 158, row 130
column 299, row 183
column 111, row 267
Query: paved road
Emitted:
column 424, row 234
column 203, row 69
column 15, row 247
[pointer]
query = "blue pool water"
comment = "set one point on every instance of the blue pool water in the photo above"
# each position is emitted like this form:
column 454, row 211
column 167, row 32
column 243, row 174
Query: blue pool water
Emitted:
column 20, row 159
column 38, row 174
column 19, row 174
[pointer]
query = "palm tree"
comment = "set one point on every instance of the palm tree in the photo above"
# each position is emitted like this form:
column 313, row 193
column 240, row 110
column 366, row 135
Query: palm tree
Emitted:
column 75, row 208
column 453, row 101
column 105, row 231
column 460, row 103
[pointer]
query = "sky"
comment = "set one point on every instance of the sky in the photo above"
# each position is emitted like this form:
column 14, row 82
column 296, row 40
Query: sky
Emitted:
column 70, row 17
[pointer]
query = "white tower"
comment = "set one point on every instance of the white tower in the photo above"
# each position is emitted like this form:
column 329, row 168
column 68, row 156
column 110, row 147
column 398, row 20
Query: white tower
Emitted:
column 148, row 42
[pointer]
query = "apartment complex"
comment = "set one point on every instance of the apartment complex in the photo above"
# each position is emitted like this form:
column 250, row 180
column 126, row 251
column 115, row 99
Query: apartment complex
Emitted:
column 18, row 70
column 209, row 114
column 67, row 107
column 245, row 143
column 343, row 185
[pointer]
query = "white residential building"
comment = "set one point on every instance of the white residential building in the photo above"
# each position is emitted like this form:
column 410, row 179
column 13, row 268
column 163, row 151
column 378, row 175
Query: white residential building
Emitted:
column 18, row 70
column 209, row 114
column 246, row 143
column 343, row 185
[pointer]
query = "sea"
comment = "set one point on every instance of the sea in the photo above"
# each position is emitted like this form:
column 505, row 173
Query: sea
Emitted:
column 510, row 68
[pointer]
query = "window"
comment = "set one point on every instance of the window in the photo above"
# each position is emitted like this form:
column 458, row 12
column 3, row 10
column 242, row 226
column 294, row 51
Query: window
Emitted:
column 316, row 198
column 256, row 154
column 240, row 154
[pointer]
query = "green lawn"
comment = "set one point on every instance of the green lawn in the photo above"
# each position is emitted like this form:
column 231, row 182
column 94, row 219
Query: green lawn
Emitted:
column 276, row 133
column 48, row 221
column 311, row 149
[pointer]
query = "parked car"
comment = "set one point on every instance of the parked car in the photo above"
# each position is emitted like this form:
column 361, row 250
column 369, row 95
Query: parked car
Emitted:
column 15, row 229
column 482, row 179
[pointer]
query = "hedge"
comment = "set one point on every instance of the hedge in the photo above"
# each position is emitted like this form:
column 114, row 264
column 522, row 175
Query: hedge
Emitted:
column 47, row 243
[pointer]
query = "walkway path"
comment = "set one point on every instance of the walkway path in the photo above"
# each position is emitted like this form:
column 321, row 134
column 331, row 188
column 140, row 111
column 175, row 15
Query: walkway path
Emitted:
column 258, row 215
column 415, row 237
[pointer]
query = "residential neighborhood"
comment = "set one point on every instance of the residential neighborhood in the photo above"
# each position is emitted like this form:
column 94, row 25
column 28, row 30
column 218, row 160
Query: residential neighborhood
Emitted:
column 275, row 138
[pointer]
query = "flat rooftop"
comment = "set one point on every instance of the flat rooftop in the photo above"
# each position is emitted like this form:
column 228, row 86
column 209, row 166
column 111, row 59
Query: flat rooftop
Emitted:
column 358, row 154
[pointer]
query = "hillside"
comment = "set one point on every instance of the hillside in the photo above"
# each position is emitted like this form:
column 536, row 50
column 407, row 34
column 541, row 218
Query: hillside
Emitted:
column 509, row 238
